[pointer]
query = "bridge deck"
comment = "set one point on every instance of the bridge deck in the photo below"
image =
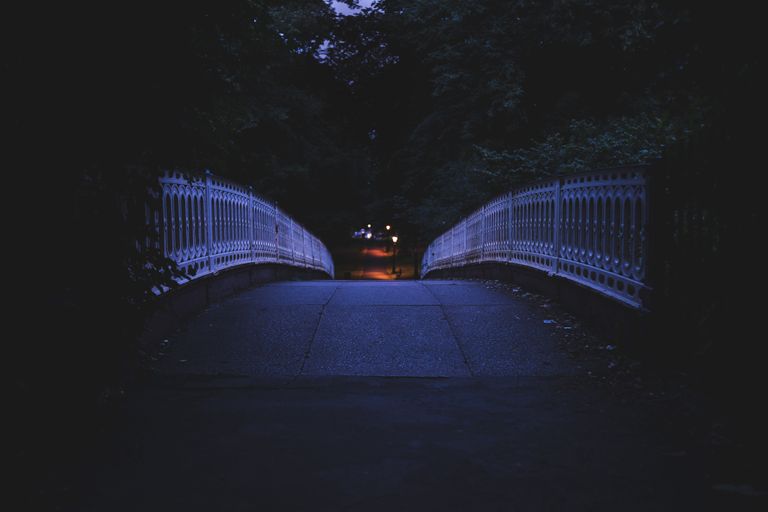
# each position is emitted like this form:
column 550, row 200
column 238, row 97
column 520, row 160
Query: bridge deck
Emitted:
column 369, row 328
column 389, row 396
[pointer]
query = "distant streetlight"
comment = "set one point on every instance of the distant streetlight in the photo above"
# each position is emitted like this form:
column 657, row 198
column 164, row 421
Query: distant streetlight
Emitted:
column 368, row 236
column 388, row 227
column 394, row 253
column 369, row 226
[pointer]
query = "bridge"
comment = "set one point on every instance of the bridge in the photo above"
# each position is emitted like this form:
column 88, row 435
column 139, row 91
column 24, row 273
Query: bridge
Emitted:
column 439, row 393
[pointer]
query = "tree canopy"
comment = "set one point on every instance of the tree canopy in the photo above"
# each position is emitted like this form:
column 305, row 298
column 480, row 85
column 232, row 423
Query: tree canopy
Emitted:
column 469, row 98
column 411, row 110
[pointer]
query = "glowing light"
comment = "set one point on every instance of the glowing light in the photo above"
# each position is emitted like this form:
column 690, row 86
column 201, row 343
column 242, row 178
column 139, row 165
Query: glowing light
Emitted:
column 368, row 236
column 388, row 227
column 394, row 239
column 369, row 225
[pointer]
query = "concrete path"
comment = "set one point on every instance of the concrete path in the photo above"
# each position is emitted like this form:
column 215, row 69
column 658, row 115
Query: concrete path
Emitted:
column 368, row 328
column 390, row 396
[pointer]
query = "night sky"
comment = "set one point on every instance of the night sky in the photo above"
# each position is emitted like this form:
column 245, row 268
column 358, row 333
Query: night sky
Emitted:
column 344, row 9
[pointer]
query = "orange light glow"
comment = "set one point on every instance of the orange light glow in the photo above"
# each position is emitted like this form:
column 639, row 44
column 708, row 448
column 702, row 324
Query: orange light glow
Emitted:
column 377, row 252
column 378, row 274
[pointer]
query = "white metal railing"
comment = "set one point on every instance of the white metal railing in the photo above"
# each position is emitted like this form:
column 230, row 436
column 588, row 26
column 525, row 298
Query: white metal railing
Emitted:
column 206, row 224
column 589, row 228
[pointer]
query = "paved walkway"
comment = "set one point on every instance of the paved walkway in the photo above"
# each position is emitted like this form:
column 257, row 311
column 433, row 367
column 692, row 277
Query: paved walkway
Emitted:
column 369, row 328
column 391, row 396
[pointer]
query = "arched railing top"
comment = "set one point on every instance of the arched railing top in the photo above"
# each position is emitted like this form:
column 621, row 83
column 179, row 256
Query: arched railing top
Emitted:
column 589, row 228
column 206, row 224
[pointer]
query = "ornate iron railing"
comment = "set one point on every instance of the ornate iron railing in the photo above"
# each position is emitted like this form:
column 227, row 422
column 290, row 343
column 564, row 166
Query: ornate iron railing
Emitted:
column 206, row 224
column 589, row 228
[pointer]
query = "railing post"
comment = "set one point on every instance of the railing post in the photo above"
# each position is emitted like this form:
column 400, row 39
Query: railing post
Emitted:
column 166, row 221
column 556, row 227
column 466, row 239
column 277, row 233
column 482, row 233
column 303, row 248
column 293, row 243
column 509, row 227
column 311, row 262
column 251, row 225
column 209, row 222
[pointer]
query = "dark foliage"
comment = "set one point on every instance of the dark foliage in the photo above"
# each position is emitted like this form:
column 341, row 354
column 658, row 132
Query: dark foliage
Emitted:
column 473, row 97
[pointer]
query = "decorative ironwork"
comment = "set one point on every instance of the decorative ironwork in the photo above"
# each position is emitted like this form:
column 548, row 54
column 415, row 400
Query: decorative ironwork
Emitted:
column 207, row 224
column 589, row 228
